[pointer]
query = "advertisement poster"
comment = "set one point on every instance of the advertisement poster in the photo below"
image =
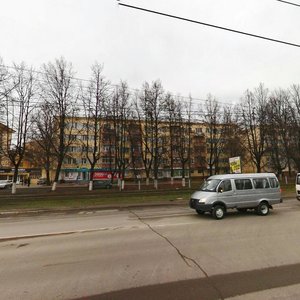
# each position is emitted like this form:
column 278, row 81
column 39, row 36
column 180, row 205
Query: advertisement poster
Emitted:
column 235, row 165
column 104, row 175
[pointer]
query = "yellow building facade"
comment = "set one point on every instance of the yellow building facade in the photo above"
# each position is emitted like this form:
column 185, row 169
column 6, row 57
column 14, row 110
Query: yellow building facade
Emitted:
column 76, row 166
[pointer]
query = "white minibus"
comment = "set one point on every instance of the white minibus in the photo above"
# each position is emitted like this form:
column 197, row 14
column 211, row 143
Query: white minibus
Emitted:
column 219, row 193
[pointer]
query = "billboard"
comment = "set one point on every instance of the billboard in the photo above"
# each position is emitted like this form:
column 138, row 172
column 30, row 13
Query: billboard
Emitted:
column 103, row 175
column 235, row 165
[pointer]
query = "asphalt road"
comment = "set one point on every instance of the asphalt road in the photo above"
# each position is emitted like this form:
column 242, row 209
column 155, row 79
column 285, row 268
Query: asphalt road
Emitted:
column 151, row 253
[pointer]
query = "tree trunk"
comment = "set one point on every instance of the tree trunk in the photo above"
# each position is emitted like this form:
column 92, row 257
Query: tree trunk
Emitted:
column 91, row 177
column 54, row 186
column 183, row 174
column 15, row 177
column 48, row 176
column 57, row 175
column 14, row 188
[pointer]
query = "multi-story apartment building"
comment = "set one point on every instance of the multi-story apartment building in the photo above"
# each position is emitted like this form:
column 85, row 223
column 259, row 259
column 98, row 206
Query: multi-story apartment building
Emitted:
column 194, row 149
column 128, row 150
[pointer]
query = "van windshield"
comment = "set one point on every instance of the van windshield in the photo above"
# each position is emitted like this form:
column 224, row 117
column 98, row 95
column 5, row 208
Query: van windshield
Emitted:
column 210, row 185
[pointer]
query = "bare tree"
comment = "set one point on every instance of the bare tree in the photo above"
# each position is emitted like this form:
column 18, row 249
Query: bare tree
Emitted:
column 135, row 138
column 278, row 131
column 18, row 107
column 60, row 91
column 145, row 146
column 254, row 124
column 118, row 114
column 212, row 119
column 199, row 150
column 171, row 118
column 94, row 102
column 183, row 137
column 3, row 89
column 294, row 135
column 4, row 79
column 44, row 136
column 231, row 135
column 149, row 108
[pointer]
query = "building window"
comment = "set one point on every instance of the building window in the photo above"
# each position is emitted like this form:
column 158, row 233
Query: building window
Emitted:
column 107, row 148
column 107, row 159
column 71, row 160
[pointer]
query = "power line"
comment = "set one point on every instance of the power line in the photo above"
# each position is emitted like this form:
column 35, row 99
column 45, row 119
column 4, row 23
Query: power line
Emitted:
column 77, row 79
column 290, row 3
column 209, row 25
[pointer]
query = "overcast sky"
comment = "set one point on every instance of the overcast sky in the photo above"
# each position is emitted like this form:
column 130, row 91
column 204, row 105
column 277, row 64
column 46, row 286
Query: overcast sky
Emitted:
column 136, row 46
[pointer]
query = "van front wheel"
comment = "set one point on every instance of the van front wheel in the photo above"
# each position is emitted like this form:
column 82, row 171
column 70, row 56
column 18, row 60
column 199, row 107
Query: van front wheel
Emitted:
column 262, row 209
column 218, row 212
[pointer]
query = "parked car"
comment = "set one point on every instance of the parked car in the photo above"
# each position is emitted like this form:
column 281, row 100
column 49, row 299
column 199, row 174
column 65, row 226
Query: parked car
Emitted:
column 102, row 184
column 5, row 184
column 42, row 181
column 298, row 186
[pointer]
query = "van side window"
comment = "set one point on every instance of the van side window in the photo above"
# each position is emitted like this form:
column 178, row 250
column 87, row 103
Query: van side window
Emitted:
column 261, row 183
column 243, row 184
column 225, row 185
column 274, row 182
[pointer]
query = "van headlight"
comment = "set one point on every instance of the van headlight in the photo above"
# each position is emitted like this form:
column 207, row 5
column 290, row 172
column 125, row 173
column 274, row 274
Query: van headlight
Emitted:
column 201, row 201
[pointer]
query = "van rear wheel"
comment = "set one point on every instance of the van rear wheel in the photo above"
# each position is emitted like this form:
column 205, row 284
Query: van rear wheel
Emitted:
column 263, row 209
column 218, row 212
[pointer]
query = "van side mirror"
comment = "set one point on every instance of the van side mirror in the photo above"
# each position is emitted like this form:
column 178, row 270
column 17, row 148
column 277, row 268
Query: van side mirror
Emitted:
column 220, row 189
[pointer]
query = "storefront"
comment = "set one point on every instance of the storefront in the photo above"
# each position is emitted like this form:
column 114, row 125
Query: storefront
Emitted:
column 23, row 174
column 84, row 174
column 74, row 174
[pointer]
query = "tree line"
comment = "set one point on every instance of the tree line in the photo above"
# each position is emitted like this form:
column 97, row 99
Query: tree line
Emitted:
column 141, row 129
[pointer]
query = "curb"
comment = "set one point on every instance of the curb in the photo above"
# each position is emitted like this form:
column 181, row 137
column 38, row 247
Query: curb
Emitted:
column 29, row 212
